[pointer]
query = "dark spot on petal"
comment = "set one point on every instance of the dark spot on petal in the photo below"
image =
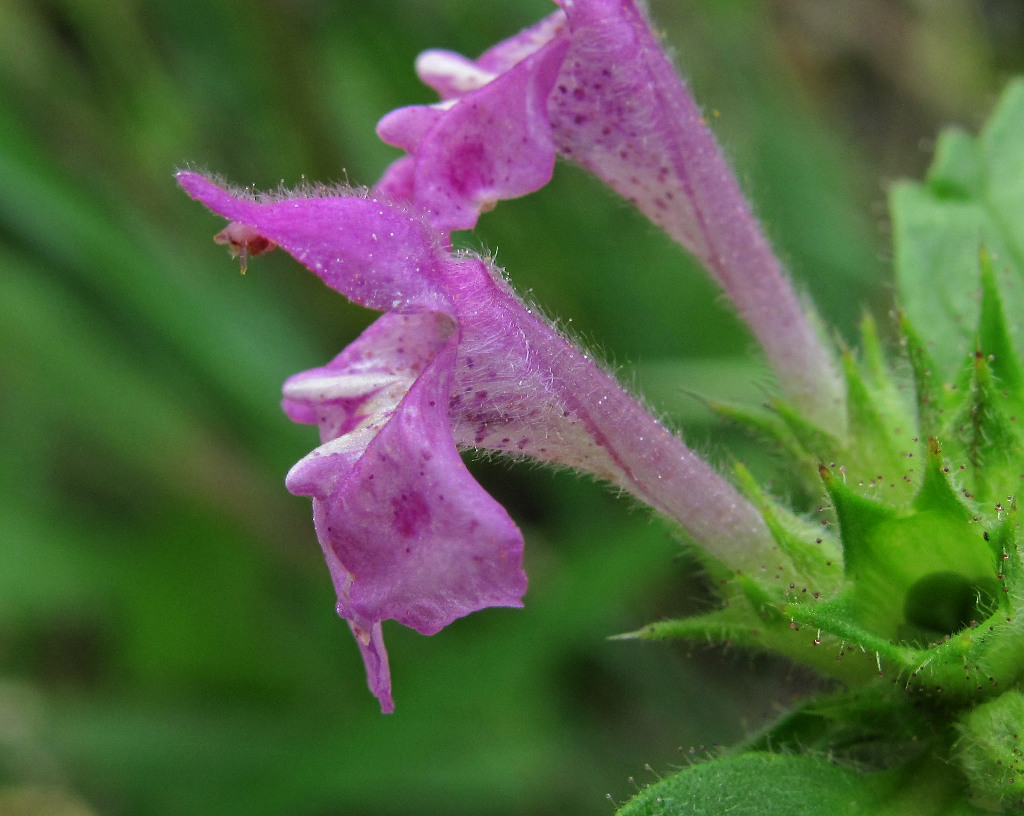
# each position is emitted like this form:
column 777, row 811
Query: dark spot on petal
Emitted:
column 411, row 514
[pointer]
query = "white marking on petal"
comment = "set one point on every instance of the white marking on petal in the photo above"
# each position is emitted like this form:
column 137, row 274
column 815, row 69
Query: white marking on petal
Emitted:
column 354, row 442
column 453, row 71
column 324, row 388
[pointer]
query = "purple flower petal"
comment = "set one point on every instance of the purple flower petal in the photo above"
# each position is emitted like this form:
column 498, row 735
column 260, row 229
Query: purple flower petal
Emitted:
column 370, row 639
column 493, row 143
column 513, row 50
column 418, row 538
column 368, row 251
column 408, row 533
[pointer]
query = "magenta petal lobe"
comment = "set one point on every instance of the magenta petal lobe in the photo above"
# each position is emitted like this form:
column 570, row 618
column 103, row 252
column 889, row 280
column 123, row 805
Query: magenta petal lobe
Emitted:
column 407, row 532
column 371, row 252
column 370, row 640
column 417, row 539
column 491, row 139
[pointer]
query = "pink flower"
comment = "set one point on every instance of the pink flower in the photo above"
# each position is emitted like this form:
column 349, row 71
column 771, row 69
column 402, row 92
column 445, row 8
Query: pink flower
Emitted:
column 456, row 361
column 592, row 83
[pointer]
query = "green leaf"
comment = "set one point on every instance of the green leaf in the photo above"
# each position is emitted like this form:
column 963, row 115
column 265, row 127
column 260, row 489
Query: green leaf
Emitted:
column 956, row 171
column 767, row 784
column 992, row 753
column 870, row 727
column 973, row 199
column 759, row 784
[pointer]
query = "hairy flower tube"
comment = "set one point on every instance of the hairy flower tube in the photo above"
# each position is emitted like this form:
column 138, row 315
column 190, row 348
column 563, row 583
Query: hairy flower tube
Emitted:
column 457, row 361
column 591, row 83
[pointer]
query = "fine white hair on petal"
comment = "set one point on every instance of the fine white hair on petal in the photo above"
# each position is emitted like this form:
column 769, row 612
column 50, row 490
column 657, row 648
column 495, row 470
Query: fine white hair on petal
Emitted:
column 305, row 188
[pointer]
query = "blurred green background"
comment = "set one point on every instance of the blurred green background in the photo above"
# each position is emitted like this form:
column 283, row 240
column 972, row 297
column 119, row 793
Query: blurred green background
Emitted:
column 168, row 643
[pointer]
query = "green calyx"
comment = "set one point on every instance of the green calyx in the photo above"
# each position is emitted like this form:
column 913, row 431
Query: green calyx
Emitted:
column 919, row 574
column 902, row 576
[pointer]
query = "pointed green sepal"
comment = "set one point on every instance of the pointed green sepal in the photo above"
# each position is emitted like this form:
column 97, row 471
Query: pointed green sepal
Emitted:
column 880, row 430
column 766, row 425
column 937, row 493
column 857, row 516
column 732, row 626
column 993, row 333
column 927, row 387
column 871, row 349
column 987, row 429
column 1009, row 555
column 812, row 557
column 819, row 443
